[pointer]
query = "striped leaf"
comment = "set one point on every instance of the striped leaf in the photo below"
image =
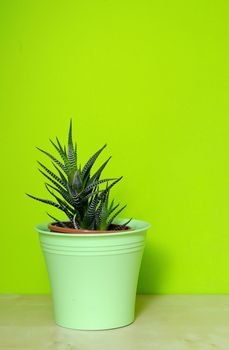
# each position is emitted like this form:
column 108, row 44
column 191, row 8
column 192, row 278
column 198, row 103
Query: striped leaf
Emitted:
column 116, row 214
column 104, row 192
column 62, row 166
column 65, row 206
column 50, row 179
column 87, row 167
column 75, row 222
column 111, row 205
column 101, row 208
column 63, row 178
column 64, row 157
column 75, row 196
column 96, row 183
column 77, row 181
column 97, row 174
column 122, row 226
column 55, row 177
column 104, row 216
column 127, row 222
column 47, row 201
column 61, row 223
column 64, row 194
column 90, row 213
column 91, row 194
column 92, row 208
column 111, row 210
column 71, row 150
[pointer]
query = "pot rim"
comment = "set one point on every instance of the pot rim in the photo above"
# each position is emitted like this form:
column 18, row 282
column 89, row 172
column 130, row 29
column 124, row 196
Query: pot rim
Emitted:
column 135, row 226
column 54, row 228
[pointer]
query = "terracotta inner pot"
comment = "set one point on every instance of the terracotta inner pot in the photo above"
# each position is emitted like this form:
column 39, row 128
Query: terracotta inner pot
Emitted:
column 56, row 227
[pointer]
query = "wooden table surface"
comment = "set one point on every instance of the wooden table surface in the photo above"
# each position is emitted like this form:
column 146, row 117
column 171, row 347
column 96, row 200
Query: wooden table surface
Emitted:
column 163, row 322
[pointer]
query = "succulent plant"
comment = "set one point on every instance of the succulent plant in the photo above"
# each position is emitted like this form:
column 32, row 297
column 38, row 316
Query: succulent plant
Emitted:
column 77, row 192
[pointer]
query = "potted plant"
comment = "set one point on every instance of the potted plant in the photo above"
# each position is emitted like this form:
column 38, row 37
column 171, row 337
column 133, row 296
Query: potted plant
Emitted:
column 93, row 258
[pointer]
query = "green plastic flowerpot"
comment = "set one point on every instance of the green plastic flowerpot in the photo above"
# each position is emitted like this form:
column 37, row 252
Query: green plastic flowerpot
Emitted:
column 94, row 277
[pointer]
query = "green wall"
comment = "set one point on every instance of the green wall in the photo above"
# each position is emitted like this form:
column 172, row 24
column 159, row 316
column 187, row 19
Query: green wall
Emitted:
column 150, row 78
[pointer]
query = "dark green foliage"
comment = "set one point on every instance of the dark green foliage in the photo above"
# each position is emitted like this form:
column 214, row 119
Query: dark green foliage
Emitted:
column 78, row 193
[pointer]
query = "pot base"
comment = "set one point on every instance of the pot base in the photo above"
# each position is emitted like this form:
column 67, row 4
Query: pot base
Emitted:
column 95, row 329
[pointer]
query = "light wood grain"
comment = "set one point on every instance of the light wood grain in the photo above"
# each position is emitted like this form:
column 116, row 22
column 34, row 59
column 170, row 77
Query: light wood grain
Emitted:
column 166, row 322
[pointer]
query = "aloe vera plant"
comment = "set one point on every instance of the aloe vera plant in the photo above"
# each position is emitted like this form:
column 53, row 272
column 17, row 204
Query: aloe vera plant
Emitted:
column 77, row 192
